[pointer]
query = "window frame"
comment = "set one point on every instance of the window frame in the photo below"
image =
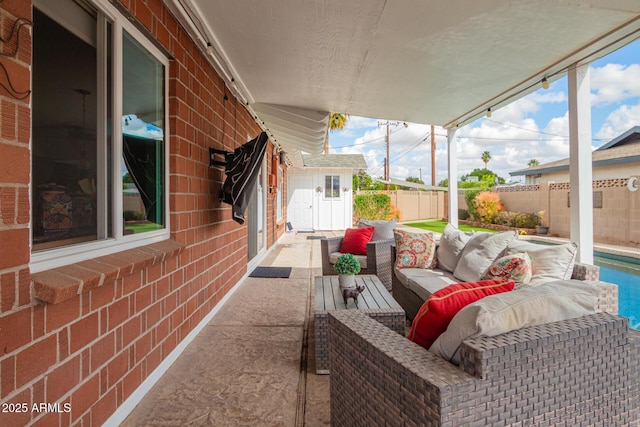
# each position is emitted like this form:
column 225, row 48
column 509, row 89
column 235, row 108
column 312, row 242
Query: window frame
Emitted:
column 280, row 195
column 50, row 258
column 324, row 192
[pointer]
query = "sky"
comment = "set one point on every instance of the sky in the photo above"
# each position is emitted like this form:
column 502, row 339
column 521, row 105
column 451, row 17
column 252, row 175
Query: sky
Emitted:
column 533, row 127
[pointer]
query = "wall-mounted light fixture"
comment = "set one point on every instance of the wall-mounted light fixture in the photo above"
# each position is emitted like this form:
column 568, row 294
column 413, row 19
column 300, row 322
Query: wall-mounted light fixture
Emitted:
column 318, row 189
column 489, row 112
column 345, row 189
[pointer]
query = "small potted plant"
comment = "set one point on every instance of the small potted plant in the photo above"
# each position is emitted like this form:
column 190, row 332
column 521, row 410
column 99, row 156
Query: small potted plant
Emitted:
column 347, row 266
column 543, row 228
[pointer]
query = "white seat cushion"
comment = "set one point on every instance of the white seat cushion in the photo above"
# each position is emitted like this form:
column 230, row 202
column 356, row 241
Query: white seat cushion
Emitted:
column 424, row 282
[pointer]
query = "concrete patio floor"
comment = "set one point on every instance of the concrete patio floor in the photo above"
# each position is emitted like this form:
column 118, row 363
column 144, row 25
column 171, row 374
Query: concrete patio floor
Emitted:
column 253, row 364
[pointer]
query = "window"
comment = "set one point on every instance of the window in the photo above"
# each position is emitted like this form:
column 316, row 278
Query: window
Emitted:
column 332, row 186
column 280, row 194
column 99, row 94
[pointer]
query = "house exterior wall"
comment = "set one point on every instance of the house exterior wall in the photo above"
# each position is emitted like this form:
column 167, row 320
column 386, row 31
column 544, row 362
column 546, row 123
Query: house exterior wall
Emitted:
column 600, row 172
column 105, row 324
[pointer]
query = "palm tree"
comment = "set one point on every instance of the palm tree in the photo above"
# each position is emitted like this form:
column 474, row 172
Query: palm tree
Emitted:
column 486, row 156
column 337, row 121
column 533, row 162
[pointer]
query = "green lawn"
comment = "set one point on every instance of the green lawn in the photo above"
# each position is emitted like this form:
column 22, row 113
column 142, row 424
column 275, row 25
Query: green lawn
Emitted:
column 142, row 227
column 438, row 226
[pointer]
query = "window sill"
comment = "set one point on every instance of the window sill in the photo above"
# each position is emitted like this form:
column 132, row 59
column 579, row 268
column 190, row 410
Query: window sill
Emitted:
column 63, row 283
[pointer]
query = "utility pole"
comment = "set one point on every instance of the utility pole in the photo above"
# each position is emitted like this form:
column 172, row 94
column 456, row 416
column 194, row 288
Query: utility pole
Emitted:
column 420, row 170
column 387, row 161
column 433, row 156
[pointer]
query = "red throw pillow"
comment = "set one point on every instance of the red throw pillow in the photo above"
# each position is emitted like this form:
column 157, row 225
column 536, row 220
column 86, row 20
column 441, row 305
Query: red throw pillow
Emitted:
column 436, row 313
column 355, row 240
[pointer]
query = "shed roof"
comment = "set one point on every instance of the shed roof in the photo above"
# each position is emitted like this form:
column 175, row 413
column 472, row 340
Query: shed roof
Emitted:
column 351, row 161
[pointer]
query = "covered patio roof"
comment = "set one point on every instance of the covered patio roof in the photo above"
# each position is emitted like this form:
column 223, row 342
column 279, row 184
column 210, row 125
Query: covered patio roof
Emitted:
column 443, row 63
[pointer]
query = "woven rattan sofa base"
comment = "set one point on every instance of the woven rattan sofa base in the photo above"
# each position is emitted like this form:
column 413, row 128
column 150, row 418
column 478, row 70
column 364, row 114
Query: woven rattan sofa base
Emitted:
column 576, row 372
column 379, row 261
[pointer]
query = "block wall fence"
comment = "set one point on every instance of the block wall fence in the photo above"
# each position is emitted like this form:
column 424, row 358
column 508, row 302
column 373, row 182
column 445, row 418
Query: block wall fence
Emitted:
column 616, row 212
column 85, row 336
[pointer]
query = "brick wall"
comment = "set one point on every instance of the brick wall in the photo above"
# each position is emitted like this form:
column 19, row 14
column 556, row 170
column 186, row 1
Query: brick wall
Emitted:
column 88, row 334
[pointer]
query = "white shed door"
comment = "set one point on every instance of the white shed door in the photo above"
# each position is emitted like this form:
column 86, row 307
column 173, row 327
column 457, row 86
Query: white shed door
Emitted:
column 300, row 207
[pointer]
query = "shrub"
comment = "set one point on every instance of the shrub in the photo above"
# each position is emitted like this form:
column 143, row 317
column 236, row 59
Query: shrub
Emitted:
column 133, row 216
column 463, row 214
column 526, row 220
column 374, row 206
column 505, row 218
column 470, row 198
column 487, row 205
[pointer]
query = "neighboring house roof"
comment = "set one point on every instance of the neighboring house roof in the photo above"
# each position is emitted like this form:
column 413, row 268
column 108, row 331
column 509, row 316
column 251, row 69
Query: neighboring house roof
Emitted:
column 351, row 161
column 625, row 148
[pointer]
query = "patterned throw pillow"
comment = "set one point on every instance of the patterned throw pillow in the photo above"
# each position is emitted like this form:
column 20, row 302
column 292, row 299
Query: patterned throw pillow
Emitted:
column 516, row 267
column 415, row 250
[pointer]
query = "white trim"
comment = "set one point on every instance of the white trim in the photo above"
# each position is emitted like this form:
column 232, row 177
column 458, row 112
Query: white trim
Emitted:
column 123, row 411
column 452, row 157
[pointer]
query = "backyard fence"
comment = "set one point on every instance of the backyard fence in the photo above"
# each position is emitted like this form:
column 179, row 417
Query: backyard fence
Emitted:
column 616, row 208
column 416, row 205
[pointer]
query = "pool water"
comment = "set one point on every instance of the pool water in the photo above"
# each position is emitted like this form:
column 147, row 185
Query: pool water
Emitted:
column 624, row 272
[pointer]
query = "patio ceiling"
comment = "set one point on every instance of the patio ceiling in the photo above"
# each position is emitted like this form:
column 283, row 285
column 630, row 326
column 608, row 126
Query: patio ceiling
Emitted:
column 443, row 63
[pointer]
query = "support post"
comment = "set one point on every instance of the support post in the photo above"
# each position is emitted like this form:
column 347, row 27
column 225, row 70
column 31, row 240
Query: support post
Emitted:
column 580, row 162
column 452, row 159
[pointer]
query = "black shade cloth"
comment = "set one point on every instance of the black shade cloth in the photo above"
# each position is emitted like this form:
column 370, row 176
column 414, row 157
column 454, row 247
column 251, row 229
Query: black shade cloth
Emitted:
column 242, row 168
column 145, row 168
column 272, row 272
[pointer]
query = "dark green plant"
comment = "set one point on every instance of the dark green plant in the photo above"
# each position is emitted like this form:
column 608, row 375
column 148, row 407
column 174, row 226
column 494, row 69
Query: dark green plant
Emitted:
column 347, row 264
column 133, row 216
column 463, row 214
column 527, row 220
column 470, row 198
column 505, row 218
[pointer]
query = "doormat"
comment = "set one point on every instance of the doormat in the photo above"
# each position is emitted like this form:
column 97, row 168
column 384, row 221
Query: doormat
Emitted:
column 316, row 237
column 271, row 272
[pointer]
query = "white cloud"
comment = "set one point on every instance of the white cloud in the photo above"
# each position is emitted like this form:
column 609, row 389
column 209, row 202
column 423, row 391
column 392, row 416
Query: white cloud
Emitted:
column 614, row 83
column 619, row 121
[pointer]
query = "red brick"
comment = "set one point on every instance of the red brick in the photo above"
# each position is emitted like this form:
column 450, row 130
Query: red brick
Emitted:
column 84, row 397
column 118, row 367
column 35, row 360
column 83, row 332
column 18, row 418
column 53, row 287
column 24, row 125
column 102, row 351
column 14, row 250
column 103, row 409
column 7, row 291
column 130, row 331
column 62, row 379
column 15, row 330
column 24, row 287
column 143, row 298
column 59, row 315
column 88, row 279
column 118, row 312
column 143, row 346
column 102, row 296
column 8, row 127
column 15, row 164
column 7, row 376
column 8, row 205
column 63, row 344
column 132, row 381
column 17, row 7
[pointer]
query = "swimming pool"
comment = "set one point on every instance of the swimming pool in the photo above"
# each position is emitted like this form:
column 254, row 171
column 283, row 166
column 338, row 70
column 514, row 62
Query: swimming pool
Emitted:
column 624, row 272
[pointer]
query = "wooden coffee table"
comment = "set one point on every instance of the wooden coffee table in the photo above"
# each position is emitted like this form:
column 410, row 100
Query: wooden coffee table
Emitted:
column 375, row 300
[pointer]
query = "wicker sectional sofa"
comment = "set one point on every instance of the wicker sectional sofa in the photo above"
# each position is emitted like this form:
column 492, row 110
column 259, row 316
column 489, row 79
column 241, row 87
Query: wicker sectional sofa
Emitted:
column 578, row 372
column 412, row 286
